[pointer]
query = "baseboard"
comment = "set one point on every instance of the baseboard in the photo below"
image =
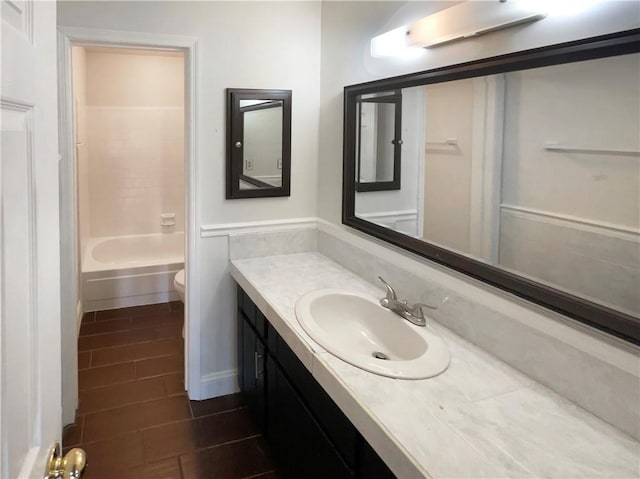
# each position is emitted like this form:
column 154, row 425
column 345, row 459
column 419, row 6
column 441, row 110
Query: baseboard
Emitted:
column 218, row 384
column 129, row 301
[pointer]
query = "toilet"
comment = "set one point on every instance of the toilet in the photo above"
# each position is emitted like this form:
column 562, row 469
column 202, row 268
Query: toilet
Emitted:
column 178, row 284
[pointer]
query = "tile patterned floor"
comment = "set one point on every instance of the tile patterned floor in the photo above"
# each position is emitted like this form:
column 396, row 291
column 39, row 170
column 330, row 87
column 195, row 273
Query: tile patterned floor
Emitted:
column 134, row 419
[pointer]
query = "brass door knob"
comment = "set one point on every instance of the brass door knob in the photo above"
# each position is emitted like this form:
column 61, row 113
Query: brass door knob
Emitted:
column 70, row 466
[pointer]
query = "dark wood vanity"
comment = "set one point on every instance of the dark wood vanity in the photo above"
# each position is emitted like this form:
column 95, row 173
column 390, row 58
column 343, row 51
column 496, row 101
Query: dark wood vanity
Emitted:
column 308, row 433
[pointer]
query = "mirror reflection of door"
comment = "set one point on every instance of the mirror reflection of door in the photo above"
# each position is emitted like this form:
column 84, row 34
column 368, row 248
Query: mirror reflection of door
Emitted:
column 379, row 141
column 262, row 144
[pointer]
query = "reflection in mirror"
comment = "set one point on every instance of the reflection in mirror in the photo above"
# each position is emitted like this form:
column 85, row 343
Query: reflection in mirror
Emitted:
column 379, row 141
column 262, row 138
column 258, row 143
column 535, row 171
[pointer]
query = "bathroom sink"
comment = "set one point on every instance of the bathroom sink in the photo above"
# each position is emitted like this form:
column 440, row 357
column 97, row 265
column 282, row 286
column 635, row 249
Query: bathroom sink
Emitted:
column 355, row 328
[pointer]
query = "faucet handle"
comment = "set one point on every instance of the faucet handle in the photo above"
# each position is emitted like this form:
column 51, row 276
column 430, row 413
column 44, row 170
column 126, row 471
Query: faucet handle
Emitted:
column 416, row 310
column 391, row 294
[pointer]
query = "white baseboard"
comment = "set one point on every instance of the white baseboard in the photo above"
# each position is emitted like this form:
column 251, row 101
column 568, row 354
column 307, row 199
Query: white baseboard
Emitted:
column 218, row 384
column 129, row 301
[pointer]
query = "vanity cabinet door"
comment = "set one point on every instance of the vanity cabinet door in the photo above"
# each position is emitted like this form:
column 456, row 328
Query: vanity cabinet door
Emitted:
column 371, row 466
column 337, row 427
column 301, row 447
column 251, row 371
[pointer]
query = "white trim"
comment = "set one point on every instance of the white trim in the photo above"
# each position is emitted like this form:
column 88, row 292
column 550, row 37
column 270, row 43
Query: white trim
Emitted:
column 207, row 231
column 192, row 318
column 189, row 47
column 69, row 267
column 129, row 301
column 578, row 222
column 96, row 37
column 134, row 108
column 79, row 314
column 219, row 384
column 400, row 215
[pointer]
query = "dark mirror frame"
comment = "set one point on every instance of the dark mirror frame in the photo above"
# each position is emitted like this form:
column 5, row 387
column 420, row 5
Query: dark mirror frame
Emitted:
column 611, row 321
column 394, row 184
column 235, row 133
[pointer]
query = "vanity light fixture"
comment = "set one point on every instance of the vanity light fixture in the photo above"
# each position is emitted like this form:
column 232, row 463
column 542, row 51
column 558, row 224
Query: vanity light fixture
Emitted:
column 393, row 44
column 464, row 20
column 470, row 19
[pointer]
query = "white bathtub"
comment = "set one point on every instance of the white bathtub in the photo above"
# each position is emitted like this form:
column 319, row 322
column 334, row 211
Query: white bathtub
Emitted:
column 125, row 271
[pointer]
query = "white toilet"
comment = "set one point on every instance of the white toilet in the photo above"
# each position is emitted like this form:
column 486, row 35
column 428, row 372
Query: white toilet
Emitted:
column 178, row 284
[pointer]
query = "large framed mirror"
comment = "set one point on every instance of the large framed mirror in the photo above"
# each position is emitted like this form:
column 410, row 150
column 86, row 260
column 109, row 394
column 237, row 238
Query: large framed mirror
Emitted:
column 258, row 143
column 522, row 171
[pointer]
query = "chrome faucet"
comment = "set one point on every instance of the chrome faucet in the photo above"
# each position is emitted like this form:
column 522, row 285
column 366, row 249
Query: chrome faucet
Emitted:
column 413, row 314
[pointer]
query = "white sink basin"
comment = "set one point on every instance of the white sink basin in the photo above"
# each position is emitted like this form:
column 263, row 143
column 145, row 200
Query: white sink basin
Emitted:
column 355, row 328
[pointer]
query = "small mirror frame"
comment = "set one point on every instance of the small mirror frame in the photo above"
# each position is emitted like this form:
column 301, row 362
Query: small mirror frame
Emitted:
column 394, row 184
column 593, row 314
column 235, row 134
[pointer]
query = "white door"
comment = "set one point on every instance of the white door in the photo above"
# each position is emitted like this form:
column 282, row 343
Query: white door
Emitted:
column 30, row 403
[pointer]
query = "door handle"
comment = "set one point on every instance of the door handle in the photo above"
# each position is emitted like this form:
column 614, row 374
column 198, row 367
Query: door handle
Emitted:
column 70, row 466
column 258, row 370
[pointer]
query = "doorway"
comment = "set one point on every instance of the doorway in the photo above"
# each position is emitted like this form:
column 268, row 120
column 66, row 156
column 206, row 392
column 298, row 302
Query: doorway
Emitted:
column 75, row 302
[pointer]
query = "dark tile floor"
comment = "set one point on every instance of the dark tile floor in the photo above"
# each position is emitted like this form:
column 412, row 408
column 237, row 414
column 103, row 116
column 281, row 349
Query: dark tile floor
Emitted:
column 134, row 419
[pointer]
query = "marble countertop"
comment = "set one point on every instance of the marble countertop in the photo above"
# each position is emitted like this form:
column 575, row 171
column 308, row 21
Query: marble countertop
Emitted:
column 479, row 419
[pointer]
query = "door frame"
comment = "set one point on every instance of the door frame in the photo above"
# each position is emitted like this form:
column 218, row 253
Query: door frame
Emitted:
column 79, row 36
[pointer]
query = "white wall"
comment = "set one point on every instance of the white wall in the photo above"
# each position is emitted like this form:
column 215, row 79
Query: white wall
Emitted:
column 237, row 48
column 135, row 134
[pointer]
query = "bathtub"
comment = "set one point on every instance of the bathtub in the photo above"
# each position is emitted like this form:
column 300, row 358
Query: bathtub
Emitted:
column 125, row 271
